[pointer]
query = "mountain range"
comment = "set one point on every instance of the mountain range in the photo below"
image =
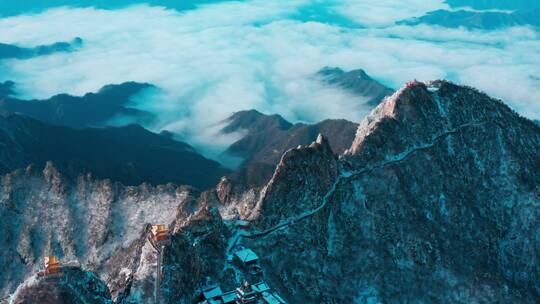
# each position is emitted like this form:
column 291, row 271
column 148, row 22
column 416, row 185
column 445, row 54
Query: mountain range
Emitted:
column 71, row 131
column 443, row 177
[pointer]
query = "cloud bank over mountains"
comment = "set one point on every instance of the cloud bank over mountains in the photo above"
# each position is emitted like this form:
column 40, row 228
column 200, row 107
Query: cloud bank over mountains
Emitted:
column 231, row 56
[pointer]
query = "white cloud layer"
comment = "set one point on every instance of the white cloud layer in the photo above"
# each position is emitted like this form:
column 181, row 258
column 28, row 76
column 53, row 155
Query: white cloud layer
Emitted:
column 235, row 56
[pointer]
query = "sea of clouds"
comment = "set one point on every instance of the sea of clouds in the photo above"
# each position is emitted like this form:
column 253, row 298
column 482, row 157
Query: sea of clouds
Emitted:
column 262, row 54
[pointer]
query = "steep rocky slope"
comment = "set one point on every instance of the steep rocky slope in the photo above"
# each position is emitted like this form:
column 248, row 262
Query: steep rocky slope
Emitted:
column 130, row 154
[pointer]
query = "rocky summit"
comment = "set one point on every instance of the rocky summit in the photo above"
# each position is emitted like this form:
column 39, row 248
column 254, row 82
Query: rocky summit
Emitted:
column 437, row 200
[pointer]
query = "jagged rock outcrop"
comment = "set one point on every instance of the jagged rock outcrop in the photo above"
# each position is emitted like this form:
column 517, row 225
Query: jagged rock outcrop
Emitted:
column 73, row 285
column 196, row 251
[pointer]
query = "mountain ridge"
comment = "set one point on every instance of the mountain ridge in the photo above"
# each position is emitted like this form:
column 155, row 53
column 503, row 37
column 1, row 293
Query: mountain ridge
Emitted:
column 89, row 110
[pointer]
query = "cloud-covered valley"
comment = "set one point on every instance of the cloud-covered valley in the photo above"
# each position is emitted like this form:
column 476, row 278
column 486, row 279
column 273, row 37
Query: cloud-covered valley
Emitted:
column 231, row 56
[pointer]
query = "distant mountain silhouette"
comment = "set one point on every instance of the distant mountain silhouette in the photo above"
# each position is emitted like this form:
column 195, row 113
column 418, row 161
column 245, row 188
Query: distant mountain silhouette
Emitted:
column 131, row 155
column 10, row 51
column 92, row 109
column 357, row 82
column 478, row 20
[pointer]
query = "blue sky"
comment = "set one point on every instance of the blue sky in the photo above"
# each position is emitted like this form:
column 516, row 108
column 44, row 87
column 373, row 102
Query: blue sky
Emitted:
column 210, row 59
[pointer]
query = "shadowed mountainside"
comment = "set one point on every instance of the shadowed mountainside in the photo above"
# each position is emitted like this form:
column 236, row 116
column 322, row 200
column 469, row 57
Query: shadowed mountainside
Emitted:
column 130, row 154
